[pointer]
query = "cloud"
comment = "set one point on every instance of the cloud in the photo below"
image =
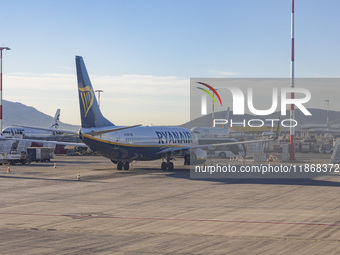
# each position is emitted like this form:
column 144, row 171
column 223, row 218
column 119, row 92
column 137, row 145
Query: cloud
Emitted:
column 39, row 82
column 222, row 73
column 131, row 98
column 143, row 84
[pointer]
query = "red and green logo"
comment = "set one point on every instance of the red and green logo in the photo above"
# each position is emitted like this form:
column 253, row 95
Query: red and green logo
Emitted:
column 214, row 92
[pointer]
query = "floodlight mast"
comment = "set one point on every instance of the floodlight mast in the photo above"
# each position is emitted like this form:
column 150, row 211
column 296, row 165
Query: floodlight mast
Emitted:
column 327, row 101
column 99, row 91
column 1, row 49
column 292, row 117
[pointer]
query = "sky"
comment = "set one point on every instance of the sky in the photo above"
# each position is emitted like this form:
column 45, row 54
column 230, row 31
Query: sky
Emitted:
column 142, row 53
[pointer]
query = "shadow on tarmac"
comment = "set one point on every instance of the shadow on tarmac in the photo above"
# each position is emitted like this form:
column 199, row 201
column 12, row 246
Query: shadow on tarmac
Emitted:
column 46, row 179
column 185, row 174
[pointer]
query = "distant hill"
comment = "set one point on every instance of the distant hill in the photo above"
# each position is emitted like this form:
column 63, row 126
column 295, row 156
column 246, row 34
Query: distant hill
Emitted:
column 19, row 114
column 318, row 117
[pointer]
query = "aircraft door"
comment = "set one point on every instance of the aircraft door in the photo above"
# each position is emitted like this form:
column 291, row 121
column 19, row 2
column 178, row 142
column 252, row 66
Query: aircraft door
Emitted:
column 117, row 141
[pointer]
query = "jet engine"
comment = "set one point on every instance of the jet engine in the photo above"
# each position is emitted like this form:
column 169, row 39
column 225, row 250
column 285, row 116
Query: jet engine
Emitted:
column 197, row 156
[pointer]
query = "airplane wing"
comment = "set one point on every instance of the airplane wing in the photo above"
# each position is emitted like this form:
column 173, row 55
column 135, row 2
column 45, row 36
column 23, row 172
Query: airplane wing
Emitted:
column 110, row 130
column 99, row 132
column 174, row 149
column 45, row 141
column 203, row 146
column 208, row 146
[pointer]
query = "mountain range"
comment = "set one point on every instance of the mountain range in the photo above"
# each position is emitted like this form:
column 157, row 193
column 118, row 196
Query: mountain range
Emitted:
column 15, row 113
column 318, row 117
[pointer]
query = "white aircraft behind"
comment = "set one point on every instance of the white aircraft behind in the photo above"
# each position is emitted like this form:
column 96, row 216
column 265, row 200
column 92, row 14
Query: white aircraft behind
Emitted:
column 217, row 132
column 22, row 132
column 14, row 140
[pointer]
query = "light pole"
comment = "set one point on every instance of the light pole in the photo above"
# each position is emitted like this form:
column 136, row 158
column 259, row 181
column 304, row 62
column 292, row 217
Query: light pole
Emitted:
column 1, row 49
column 292, row 115
column 327, row 101
column 99, row 91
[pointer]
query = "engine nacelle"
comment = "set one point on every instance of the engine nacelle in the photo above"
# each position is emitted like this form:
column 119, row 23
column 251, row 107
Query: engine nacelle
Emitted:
column 198, row 156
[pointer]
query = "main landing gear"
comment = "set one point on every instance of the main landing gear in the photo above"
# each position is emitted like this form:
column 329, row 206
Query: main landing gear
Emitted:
column 187, row 159
column 168, row 165
column 122, row 164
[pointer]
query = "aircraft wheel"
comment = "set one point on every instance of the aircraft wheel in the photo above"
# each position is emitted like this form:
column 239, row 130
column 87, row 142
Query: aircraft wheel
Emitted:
column 126, row 165
column 187, row 160
column 120, row 165
column 193, row 158
column 170, row 166
column 222, row 155
column 164, row 166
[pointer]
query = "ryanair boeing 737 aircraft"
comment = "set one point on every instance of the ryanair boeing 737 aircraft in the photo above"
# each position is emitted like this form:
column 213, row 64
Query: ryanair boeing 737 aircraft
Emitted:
column 123, row 145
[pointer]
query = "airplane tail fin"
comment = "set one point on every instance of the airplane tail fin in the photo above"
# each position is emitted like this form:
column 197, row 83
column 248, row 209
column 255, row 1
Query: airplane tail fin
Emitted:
column 55, row 122
column 91, row 116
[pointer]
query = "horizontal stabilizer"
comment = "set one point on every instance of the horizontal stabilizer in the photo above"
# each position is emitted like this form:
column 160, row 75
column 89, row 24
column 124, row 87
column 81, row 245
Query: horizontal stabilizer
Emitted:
column 110, row 130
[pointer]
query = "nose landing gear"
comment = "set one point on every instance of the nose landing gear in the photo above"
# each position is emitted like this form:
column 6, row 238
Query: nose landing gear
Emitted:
column 168, row 165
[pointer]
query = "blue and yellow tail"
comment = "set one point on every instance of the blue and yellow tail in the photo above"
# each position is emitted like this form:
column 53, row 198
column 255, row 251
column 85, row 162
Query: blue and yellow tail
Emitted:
column 91, row 116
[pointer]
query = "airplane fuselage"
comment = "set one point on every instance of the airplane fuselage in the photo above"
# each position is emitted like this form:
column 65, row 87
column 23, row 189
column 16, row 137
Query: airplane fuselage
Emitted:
column 25, row 132
column 139, row 143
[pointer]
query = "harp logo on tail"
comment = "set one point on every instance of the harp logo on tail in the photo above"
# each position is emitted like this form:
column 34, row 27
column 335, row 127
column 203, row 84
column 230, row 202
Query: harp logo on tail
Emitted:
column 87, row 96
